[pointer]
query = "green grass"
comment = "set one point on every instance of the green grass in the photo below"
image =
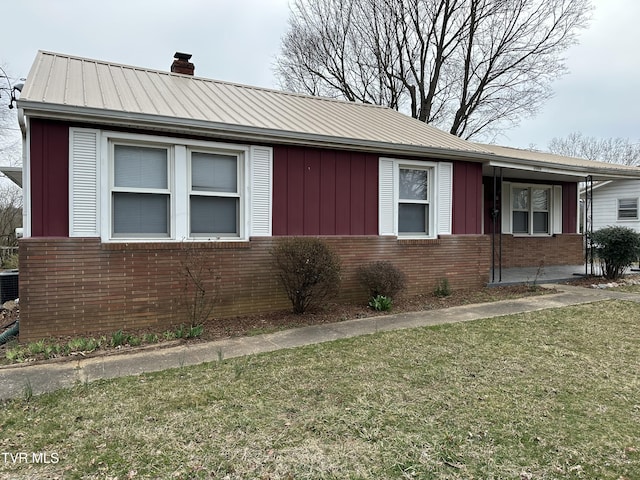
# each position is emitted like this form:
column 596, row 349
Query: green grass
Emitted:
column 547, row 395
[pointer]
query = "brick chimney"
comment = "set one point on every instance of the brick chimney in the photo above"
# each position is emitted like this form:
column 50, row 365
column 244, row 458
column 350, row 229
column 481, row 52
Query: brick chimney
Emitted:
column 181, row 64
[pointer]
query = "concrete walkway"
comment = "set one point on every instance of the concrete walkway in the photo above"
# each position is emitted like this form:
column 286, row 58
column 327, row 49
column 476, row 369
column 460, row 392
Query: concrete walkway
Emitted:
column 48, row 376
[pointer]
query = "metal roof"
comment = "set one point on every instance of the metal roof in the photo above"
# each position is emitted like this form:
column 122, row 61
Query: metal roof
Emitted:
column 74, row 88
column 61, row 83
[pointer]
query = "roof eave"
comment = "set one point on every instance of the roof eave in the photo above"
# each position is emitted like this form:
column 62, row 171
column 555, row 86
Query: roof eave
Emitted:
column 237, row 132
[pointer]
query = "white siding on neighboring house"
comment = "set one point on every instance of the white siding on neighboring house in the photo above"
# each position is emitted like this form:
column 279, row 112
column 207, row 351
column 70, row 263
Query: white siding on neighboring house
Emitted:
column 605, row 204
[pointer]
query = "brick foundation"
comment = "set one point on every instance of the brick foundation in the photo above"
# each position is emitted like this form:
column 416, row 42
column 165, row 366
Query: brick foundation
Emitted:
column 76, row 286
column 564, row 249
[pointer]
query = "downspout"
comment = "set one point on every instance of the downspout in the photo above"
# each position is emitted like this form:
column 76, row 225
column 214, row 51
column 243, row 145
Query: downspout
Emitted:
column 26, row 203
column 12, row 332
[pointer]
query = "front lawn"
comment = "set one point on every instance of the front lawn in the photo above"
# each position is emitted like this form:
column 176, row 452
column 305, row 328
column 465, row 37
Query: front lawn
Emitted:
column 545, row 395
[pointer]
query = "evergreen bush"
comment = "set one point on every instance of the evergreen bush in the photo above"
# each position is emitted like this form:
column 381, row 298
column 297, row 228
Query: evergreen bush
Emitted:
column 616, row 248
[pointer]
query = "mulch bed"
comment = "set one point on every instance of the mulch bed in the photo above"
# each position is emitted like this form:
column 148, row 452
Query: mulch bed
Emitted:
column 219, row 328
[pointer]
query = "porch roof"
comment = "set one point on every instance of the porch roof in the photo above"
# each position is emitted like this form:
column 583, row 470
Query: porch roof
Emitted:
column 536, row 165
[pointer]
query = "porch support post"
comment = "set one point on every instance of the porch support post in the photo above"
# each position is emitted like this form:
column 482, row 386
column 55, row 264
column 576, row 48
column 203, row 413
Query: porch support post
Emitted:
column 588, row 224
column 493, row 228
column 500, row 238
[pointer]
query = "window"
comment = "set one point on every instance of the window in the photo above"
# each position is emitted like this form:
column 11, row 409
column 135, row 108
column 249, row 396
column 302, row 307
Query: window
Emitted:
column 628, row 209
column 414, row 198
column 530, row 207
column 214, row 199
column 413, row 201
column 132, row 187
column 140, row 194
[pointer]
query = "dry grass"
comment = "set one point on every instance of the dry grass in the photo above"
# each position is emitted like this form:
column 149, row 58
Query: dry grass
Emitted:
column 551, row 394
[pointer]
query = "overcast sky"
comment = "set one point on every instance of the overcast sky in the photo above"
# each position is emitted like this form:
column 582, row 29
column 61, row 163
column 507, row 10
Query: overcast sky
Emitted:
column 237, row 40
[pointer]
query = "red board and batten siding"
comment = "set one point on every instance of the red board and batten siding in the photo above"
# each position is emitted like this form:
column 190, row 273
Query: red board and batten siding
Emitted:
column 467, row 194
column 324, row 192
column 569, row 207
column 331, row 192
column 49, row 171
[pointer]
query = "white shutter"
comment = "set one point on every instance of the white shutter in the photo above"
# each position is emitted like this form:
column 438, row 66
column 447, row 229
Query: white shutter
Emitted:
column 444, row 201
column 505, row 208
column 557, row 209
column 386, row 197
column 83, row 183
column 261, row 181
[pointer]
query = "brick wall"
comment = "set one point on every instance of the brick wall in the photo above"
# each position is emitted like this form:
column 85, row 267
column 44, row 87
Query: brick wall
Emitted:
column 564, row 249
column 72, row 286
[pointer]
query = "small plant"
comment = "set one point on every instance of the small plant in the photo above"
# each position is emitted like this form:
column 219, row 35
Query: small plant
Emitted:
column 134, row 341
column 15, row 354
column 180, row 331
column 119, row 338
column 150, row 338
column 308, row 269
column 37, row 347
column 442, row 289
column 616, row 248
column 195, row 331
column 380, row 303
column 381, row 278
column 27, row 391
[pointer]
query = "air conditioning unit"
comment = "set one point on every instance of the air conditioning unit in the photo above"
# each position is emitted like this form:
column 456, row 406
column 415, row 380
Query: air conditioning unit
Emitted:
column 8, row 285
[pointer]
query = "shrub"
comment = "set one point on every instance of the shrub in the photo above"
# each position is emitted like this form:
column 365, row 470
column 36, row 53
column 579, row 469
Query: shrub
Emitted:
column 380, row 303
column 381, row 278
column 11, row 262
column 308, row 269
column 616, row 248
column 443, row 289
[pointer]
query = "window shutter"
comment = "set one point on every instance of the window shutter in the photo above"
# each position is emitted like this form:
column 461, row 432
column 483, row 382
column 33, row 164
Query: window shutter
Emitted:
column 386, row 197
column 260, row 190
column 83, row 172
column 505, row 213
column 557, row 209
column 444, row 202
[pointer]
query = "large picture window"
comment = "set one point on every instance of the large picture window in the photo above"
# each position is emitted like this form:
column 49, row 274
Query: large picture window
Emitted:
column 628, row 209
column 531, row 210
column 141, row 195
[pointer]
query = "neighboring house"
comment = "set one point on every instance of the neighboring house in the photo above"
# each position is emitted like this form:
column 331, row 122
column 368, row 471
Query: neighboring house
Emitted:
column 126, row 166
column 615, row 203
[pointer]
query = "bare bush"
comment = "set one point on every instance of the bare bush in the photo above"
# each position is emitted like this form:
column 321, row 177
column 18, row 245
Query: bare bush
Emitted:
column 381, row 278
column 308, row 269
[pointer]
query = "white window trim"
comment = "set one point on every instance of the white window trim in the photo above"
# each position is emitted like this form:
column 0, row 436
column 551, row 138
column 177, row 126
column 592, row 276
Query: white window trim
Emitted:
column 440, row 196
column 554, row 215
column 179, row 185
column 628, row 219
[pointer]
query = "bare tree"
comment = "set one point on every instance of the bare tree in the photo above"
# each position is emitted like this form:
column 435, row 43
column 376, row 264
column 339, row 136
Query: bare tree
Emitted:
column 10, row 213
column 463, row 65
column 10, row 139
column 610, row 150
